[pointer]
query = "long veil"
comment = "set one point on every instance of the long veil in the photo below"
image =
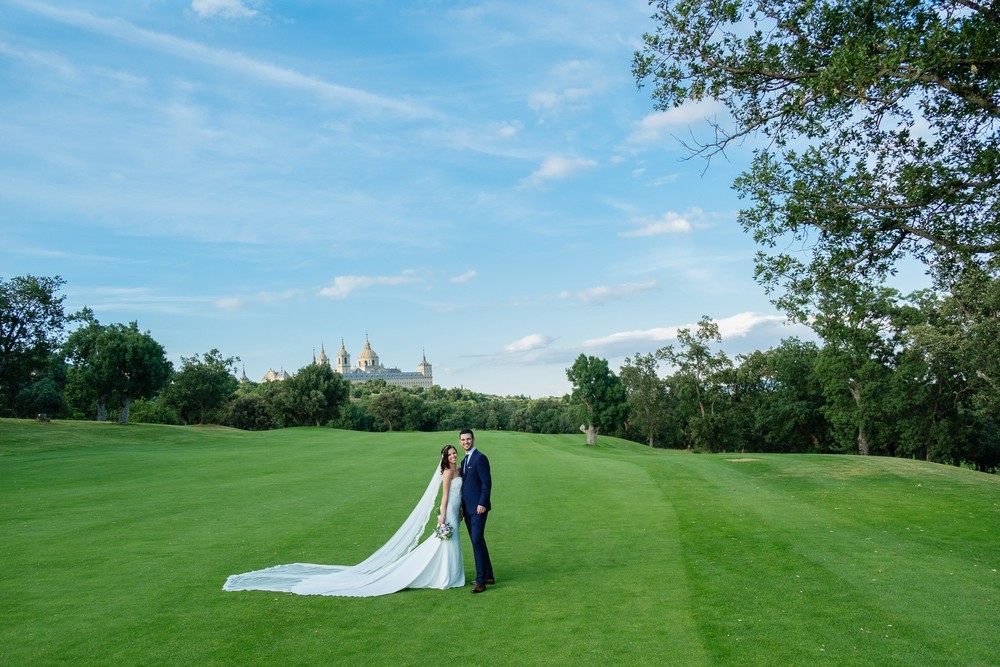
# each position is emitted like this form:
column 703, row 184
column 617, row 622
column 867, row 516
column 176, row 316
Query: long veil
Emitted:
column 286, row 578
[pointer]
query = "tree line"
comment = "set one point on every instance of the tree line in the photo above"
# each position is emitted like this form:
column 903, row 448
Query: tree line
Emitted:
column 912, row 376
column 73, row 366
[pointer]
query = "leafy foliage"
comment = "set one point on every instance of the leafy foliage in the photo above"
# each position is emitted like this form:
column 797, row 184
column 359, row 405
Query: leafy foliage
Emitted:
column 129, row 364
column 31, row 326
column 250, row 412
column 200, row 389
column 600, row 393
column 877, row 128
column 647, row 395
column 313, row 396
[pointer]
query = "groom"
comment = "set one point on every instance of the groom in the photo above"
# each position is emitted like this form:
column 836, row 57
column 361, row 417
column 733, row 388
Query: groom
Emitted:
column 476, row 485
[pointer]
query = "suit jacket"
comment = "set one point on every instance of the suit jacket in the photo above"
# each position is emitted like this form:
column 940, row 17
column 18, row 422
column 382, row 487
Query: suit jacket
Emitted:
column 477, row 483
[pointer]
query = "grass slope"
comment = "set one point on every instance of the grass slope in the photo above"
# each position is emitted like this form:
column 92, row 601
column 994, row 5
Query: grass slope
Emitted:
column 115, row 542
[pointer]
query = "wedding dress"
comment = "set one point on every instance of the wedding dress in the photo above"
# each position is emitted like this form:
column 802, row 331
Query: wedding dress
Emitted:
column 400, row 563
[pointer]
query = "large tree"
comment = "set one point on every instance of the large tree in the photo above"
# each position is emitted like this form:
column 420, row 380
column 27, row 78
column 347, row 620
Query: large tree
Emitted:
column 647, row 394
column 863, row 332
column 875, row 125
column 958, row 347
column 31, row 325
column 788, row 415
column 314, row 395
column 43, row 396
column 200, row 389
column 698, row 378
column 389, row 406
column 600, row 394
column 129, row 364
column 86, row 390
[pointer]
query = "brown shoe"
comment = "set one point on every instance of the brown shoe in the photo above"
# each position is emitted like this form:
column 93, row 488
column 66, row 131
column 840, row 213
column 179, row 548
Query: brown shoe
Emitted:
column 490, row 581
column 479, row 588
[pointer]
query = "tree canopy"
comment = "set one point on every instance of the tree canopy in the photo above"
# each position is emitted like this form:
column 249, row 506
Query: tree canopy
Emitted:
column 875, row 126
column 31, row 326
column 202, row 386
column 600, row 393
column 130, row 365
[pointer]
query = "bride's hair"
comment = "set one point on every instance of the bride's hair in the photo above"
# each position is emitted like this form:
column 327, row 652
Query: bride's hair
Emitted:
column 445, row 464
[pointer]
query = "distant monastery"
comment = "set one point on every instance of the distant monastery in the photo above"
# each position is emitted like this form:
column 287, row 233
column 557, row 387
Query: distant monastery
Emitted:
column 368, row 368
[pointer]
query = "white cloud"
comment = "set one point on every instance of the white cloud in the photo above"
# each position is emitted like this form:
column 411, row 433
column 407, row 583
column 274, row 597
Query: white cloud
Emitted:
column 742, row 324
column 465, row 277
column 543, row 100
column 507, row 130
column 228, row 303
column 556, row 167
column 636, row 336
column 547, row 99
column 228, row 9
column 668, row 223
column 237, row 302
column 664, row 180
column 532, row 342
column 574, row 81
column 735, row 326
column 659, row 125
column 342, row 286
column 608, row 292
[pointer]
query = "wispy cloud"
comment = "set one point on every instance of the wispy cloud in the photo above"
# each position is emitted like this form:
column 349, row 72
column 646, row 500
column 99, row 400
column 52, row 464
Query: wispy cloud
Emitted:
column 735, row 326
column 133, row 300
column 606, row 293
column 238, row 302
column 660, row 125
column 229, row 303
column 668, row 223
column 550, row 99
column 228, row 9
column 573, row 81
column 235, row 62
column 343, row 286
column 465, row 277
column 557, row 167
column 50, row 60
column 528, row 343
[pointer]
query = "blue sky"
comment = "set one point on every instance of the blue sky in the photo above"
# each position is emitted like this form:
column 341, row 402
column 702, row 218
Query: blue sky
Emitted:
column 480, row 182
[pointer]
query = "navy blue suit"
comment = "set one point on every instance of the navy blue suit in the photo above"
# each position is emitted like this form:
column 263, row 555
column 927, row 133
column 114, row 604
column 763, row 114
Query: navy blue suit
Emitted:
column 476, row 487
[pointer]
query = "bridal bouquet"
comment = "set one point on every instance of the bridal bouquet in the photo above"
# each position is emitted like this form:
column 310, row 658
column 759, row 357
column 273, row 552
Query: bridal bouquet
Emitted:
column 443, row 532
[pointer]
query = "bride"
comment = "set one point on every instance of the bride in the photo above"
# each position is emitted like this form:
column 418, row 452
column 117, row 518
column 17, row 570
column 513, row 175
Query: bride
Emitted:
column 400, row 563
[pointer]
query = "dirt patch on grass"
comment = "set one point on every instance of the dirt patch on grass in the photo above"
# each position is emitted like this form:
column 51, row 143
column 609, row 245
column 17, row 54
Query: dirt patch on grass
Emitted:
column 743, row 460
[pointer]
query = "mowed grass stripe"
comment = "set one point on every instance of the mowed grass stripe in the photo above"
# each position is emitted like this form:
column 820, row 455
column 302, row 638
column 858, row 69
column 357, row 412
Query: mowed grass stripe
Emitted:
column 821, row 558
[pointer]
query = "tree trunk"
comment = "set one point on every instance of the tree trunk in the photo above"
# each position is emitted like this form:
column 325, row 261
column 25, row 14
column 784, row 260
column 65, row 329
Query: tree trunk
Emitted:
column 862, row 436
column 123, row 415
column 862, row 442
column 102, row 410
column 591, row 432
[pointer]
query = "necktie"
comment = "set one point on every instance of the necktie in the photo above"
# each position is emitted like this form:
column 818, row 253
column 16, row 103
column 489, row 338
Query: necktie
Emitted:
column 465, row 464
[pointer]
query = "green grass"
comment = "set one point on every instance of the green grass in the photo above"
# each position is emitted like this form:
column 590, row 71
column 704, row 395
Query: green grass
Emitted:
column 115, row 542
